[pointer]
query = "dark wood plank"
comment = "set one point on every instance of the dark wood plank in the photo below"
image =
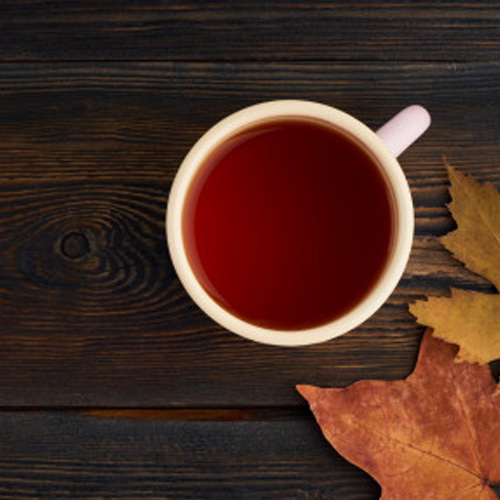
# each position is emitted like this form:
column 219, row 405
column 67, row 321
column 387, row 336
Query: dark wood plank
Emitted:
column 227, row 30
column 91, row 312
column 64, row 456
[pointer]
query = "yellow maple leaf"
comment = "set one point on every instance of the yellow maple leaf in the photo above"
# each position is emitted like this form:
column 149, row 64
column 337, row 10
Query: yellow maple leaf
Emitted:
column 470, row 319
column 475, row 207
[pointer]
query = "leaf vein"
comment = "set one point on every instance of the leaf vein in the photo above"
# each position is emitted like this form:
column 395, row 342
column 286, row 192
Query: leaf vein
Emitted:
column 425, row 452
column 470, row 429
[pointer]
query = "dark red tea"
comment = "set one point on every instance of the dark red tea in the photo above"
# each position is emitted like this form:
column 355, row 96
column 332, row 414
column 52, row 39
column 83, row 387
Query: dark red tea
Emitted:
column 288, row 224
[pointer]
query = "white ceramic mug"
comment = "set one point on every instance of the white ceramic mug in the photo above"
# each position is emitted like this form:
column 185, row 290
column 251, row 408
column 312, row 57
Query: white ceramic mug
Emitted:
column 385, row 145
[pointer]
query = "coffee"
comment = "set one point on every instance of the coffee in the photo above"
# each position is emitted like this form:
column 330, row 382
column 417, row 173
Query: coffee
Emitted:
column 289, row 223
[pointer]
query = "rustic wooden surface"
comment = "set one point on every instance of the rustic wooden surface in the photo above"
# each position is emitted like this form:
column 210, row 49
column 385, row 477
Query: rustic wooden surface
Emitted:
column 61, row 456
column 230, row 30
column 142, row 395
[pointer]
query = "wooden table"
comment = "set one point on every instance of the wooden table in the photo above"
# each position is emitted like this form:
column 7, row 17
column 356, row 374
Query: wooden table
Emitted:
column 113, row 384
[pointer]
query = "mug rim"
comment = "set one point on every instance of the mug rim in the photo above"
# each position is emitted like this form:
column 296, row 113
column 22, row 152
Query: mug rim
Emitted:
column 225, row 129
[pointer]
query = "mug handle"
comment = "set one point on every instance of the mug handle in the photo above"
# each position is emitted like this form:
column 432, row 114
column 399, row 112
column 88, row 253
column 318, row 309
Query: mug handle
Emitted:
column 403, row 129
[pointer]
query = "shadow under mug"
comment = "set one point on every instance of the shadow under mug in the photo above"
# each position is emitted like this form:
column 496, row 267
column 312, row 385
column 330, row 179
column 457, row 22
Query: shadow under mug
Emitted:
column 385, row 145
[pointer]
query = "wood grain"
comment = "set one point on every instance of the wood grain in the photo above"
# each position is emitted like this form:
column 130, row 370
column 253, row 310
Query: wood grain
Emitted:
column 65, row 456
column 91, row 312
column 235, row 31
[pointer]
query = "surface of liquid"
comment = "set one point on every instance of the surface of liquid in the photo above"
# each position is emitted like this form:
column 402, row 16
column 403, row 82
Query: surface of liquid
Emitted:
column 288, row 224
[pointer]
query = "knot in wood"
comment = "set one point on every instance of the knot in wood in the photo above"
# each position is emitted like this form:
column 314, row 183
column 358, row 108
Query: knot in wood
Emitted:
column 75, row 245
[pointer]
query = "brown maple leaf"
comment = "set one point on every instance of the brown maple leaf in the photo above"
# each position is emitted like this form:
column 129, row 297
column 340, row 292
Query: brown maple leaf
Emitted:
column 470, row 319
column 435, row 435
